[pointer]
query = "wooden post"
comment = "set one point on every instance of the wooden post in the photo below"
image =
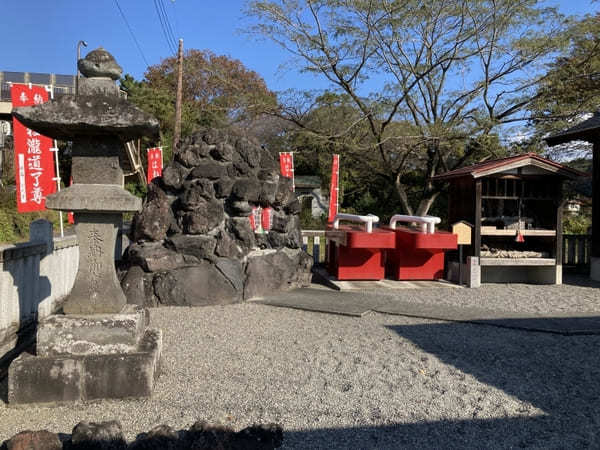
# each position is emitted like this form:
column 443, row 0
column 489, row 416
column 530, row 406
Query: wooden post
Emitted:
column 177, row 131
column 596, row 201
column 477, row 230
column 559, row 229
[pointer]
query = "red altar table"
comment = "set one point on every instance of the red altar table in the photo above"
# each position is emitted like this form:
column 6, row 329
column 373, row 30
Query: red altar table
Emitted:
column 357, row 254
column 418, row 255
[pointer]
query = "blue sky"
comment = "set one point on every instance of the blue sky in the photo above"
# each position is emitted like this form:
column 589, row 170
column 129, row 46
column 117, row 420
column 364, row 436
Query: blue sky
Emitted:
column 41, row 35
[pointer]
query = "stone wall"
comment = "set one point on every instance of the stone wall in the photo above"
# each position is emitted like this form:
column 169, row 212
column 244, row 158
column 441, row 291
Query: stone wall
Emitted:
column 193, row 240
column 35, row 277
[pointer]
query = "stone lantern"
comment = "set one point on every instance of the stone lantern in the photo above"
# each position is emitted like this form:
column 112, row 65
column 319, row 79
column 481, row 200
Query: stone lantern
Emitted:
column 99, row 347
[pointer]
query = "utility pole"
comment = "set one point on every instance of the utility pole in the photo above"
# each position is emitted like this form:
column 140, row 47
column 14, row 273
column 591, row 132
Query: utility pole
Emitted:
column 177, row 132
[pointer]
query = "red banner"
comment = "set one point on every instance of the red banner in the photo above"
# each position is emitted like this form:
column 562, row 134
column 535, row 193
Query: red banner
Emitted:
column 34, row 161
column 334, row 188
column 266, row 218
column 155, row 163
column 286, row 165
column 261, row 219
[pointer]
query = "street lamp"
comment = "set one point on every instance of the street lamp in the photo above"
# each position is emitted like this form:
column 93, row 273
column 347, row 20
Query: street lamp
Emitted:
column 79, row 44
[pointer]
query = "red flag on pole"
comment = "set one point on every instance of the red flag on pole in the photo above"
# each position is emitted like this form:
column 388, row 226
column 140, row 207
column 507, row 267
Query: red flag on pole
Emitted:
column 155, row 163
column 286, row 165
column 34, row 162
column 334, row 188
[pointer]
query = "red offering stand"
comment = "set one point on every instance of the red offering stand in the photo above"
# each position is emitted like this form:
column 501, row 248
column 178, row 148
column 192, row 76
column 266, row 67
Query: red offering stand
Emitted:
column 418, row 253
column 355, row 252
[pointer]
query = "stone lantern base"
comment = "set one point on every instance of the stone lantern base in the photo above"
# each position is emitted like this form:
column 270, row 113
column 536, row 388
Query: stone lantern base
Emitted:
column 88, row 357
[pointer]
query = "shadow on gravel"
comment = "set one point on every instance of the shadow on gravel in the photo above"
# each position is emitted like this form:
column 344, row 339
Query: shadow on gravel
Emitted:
column 580, row 280
column 468, row 434
column 558, row 374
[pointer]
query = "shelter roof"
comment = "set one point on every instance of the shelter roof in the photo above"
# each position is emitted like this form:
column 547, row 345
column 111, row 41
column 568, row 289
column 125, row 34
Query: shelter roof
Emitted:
column 510, row 163
column 588, row 130
column 307, row 181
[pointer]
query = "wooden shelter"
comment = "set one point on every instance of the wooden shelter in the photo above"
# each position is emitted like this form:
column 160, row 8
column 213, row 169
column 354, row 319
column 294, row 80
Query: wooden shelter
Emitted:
column 515, row 206
column 588, row 131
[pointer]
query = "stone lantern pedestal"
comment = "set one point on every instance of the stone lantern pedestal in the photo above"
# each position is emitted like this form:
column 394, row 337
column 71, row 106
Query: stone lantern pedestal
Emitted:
column 100, row 347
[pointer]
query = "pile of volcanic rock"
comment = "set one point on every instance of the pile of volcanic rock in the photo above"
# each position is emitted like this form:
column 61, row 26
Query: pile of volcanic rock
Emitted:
column 193, row 240
column 109, row 436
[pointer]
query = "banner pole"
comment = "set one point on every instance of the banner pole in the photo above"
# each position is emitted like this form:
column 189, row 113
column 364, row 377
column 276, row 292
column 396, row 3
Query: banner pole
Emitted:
column 57, row 178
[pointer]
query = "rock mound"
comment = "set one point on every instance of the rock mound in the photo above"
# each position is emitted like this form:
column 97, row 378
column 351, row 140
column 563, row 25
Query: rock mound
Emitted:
column 109, row 436
column 194, row 238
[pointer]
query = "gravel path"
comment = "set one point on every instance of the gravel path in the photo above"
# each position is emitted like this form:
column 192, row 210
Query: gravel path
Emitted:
column 577, row 294
column 379, row 381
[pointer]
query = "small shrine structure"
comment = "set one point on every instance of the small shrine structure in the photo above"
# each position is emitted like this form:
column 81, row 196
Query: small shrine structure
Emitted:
column 588, row 131
column 515, row 206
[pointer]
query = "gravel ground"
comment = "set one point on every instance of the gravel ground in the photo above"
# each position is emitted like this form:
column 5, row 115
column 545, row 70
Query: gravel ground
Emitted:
column 577, row 294
column 379, row 381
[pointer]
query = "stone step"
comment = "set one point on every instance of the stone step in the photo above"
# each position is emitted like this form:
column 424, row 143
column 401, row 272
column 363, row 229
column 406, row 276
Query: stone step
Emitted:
column 92, row 334
column 67, row 378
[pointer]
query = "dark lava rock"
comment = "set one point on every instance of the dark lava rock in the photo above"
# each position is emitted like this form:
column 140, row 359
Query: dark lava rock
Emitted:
column 98, row 436
column 161, row 437
column 33, row 440
column 199, row 285
column 153, row 256
column 156, row 217
column 174, row 175
column 194, row 242
column 277, row 270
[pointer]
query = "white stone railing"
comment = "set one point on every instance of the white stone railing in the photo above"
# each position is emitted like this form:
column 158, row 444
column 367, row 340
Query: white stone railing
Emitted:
column 36, row 276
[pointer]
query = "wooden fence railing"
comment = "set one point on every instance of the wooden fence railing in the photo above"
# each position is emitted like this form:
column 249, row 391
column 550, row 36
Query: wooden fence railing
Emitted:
column 576, row 250
column 576, row 247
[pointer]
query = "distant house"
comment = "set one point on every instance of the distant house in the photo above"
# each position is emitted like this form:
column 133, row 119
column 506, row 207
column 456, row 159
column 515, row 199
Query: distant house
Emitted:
column 308, row 191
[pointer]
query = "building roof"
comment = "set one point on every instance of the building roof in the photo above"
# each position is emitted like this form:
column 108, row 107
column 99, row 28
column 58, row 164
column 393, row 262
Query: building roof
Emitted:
column 512, row 162
column 588, row 130
column 307, row 181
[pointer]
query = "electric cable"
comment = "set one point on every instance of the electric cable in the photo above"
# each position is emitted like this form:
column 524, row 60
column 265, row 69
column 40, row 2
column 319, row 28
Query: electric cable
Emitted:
column 163, row 27
column 132, row 34
column 167, row 21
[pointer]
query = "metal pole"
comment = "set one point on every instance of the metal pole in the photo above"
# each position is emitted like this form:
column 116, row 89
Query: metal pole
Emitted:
column 57, row 178
column 79, row 44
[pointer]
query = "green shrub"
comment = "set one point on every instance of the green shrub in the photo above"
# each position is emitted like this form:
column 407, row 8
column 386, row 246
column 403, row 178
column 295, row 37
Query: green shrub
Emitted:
column 14, row 226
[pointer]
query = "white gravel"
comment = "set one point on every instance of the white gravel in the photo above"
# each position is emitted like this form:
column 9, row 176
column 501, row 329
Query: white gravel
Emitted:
column 576, row 294
column 379, row 381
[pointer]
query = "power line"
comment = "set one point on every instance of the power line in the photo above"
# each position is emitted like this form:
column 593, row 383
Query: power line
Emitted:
column 164, row 27
column 131, row 32
column 167, row 20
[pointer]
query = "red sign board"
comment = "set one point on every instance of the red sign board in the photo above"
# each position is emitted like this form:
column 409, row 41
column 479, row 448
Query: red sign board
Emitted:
column 334, row 188
column 286, row 165
column 34, row 161
column 155, row 163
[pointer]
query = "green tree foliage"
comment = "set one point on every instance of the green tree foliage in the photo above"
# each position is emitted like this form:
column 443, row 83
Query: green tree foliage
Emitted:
column 571, row 85
column 423, row 87
column 217, row 91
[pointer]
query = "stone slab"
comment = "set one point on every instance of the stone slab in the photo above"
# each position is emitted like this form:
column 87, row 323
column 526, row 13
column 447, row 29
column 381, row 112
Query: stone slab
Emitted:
column 98, row 198
column 59, row 379
column 323, row 277
column 320, row 300
column 91, row 334
column 34, row 379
